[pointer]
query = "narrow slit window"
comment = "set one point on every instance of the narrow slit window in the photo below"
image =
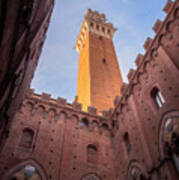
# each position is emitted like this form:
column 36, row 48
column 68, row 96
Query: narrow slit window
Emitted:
column 97, row 27
column 104, row 61
column 109, row 32
column 127, row 143
column 158, row 97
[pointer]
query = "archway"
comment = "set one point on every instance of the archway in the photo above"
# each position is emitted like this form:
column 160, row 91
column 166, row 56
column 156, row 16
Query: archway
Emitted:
column 136, row 171
column 26, row 170
column 91, row 176
column 169, row 138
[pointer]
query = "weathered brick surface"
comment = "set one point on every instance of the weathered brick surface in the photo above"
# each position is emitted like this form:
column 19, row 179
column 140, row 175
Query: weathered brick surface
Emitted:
column 99, row 77
column 60, row 140
column 22, row 34
column 133, row 140
column 138, row 115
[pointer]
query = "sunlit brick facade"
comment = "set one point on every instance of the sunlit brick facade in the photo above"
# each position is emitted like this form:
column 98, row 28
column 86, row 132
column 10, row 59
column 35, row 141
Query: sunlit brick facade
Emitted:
column 138, row 139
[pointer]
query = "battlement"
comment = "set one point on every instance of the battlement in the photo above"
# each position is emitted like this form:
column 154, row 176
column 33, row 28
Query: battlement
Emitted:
column 96, row 23
column 95, row 16
column 61, row 102
column 53, row 108
column 152, row 47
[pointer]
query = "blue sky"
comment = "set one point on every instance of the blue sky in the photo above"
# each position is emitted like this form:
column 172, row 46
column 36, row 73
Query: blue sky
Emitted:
column 57, row 70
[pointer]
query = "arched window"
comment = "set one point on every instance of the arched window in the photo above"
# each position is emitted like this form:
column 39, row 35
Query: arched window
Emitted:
column 100, row 38
column 27, row 138
column 25, row 170
column 171, row 139
column 157, row 97
column 127, row 142
column 105, row 129
column 84, row 123
column 28, row 172
column 103, row 29
column 109, row 32
column 92, row 153
column 97, row 27
column 136, row 174
column 91, row 177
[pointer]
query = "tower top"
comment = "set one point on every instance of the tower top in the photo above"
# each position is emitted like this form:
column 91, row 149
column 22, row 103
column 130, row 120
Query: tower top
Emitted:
column 96, row 23
column 95, row 16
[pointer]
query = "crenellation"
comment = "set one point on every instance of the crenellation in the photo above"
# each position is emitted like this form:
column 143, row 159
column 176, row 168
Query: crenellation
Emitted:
column 168, row 6
column 148, row 43
column 116, row 100
column 131, row 74
column 134, row 140
column 105, row 113
column 76, row 106
column 94, row 22
column 46, row 96
column 31, row 91
column 61, row 101
column 95, row 16
column 124, row 88
column 157, row 26
column 92, row 110
column 139, row 60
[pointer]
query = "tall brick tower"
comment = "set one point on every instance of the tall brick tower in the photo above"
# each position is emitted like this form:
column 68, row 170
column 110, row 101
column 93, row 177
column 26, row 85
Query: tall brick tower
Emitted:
column 99, row 77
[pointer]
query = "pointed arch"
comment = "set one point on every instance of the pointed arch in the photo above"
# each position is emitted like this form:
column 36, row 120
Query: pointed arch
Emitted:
column 91, row 176
column 136, row 170
column 169, row 138
column 38, row 169
column 162, row 126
